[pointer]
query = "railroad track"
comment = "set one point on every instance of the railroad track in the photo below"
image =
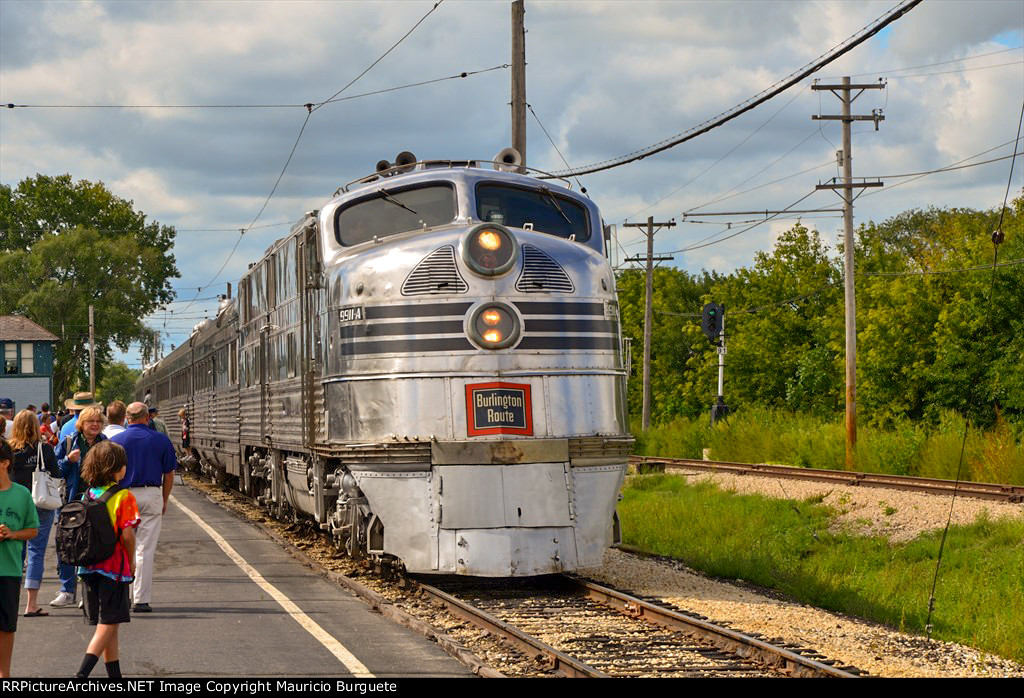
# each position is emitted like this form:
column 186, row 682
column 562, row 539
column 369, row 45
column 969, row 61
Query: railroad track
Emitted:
column 582, row 629
column 978, row 490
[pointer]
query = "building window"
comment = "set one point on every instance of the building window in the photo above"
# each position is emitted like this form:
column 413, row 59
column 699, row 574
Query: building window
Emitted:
column 26, row 358
column 10, row 358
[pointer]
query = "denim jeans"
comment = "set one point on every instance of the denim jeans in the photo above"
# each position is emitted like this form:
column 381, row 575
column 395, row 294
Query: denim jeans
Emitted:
column 36, row 549
column 66, row 572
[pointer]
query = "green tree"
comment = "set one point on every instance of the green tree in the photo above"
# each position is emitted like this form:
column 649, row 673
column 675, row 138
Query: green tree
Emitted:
column 118, row 383
column 65, row 245
column 937, row 332
column 784, row 323
column 676, row 294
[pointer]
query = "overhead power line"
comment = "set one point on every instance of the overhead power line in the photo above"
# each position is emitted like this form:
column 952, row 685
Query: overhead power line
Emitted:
column 456, row 76
column 176, row 230
column 382, row 57
column 698, row 246
column 927, row 272
column 719, row 160
column 762, row 97
column 950, row 72
column 751, row 311
column 773, row 217
column 944, row 169
column 745, row 191
column 887, row 71
column 310, row 108
column 948, row 167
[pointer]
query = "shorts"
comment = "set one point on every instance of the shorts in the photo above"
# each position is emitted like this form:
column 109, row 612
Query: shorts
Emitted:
column 106, row 601
column 10, row 599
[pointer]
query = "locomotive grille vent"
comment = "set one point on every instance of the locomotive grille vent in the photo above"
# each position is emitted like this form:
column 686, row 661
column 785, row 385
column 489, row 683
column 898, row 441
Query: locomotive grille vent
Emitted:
column 437, row 273
column 541, row 274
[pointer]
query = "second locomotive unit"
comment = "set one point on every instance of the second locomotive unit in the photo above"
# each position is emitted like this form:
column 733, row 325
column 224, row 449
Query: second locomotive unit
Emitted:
column 430, row 367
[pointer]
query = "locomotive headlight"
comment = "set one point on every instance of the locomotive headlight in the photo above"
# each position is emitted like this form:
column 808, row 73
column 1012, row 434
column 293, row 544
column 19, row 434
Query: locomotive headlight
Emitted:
column 489, row 240
column 489, row 249
column 494, row 326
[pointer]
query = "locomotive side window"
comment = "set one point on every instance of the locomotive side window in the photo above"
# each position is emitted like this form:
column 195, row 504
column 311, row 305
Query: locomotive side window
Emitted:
column 390, row 212
column 291, row 355
column 548, row 212
column 285, row 282
column 259, row 289
column 244, row 305
column 221, row 367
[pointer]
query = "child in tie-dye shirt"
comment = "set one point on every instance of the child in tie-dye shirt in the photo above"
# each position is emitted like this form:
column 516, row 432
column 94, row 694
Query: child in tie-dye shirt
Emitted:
column 108, row 583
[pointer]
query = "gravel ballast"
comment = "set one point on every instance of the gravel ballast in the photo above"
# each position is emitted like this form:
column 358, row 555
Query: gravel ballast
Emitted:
column 874, row 648
column 871, row 647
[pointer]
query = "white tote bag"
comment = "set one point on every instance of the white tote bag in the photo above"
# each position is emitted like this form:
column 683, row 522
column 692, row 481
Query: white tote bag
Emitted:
column 45, row 489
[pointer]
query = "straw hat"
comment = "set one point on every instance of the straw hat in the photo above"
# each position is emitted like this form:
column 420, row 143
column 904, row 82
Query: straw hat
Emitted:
column 80, row 401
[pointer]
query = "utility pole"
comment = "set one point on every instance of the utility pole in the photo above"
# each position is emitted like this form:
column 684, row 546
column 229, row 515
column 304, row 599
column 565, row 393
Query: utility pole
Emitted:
column 92, row 355
column 519, row 79
column 842, row 91
column 649, row 309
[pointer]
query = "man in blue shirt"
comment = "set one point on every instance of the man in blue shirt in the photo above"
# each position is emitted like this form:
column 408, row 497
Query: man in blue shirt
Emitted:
column 149, row 477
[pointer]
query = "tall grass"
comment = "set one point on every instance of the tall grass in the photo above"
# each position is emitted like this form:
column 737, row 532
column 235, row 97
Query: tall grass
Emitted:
column 787, row 545
column 761, row 435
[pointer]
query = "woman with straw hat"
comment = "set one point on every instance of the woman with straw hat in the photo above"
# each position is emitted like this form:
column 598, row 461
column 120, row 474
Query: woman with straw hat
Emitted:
column 75, row 405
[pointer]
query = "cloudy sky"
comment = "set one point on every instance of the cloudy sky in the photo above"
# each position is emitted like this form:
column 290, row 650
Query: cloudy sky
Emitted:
column 604, row 78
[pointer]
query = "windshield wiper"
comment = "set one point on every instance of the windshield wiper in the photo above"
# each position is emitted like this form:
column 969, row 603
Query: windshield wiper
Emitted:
column 392, row 200
column 554, row 202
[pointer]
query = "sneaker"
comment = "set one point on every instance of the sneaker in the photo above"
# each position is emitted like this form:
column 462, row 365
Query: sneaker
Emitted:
column 63, row 600
column 142, row 608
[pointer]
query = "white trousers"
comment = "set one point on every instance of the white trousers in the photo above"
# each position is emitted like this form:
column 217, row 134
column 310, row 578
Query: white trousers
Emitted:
column 151, row 506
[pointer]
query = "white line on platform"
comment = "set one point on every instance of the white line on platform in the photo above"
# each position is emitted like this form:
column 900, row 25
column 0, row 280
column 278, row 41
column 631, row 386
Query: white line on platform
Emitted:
column 326, row 639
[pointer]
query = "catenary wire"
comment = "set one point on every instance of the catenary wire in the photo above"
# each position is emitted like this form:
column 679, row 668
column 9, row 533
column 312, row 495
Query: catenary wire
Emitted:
column 1009, row 179
column 959, row 162
column 723, row 157
column 382, row 57
column 741, row 231
column 779, row 87
column 886, row 71
column 242, row 233
column 980, row 267
column 552, row 142
column 310, row 108
column 950, row 72
column 954, row 166
column 456, row 76
column 745, row 191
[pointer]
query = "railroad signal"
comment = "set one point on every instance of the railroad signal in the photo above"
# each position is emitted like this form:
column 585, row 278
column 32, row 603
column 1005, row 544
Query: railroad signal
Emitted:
column 711, row 322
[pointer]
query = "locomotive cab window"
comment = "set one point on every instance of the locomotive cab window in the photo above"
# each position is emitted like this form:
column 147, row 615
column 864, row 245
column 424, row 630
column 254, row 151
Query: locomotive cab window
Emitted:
column 541, row 209
column 390, row 212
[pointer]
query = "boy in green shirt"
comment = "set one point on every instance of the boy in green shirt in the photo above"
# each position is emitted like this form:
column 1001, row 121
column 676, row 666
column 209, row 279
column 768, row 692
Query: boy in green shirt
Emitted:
column 18, row 523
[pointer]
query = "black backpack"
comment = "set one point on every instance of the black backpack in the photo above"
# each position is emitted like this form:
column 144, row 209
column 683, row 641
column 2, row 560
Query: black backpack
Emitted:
column 85, row 535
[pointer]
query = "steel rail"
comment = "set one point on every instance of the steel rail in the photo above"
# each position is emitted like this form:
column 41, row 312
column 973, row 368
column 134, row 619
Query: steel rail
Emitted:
column 725, row 639
column 735, row 643
column 978, row 490
column 559, row 661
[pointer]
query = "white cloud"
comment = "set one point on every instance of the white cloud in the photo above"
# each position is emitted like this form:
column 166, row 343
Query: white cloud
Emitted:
column 605, row 77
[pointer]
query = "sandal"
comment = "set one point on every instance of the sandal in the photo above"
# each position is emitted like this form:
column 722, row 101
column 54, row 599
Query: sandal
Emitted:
column 36, row 613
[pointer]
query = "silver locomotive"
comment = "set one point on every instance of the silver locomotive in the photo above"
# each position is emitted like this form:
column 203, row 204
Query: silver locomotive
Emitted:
column 430, row 367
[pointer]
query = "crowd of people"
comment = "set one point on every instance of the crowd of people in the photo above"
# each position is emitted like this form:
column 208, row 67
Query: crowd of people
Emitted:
column 117, row 457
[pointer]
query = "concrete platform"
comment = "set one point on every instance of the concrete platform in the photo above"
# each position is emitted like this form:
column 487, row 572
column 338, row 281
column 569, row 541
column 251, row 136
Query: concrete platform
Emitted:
column 256, row 613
